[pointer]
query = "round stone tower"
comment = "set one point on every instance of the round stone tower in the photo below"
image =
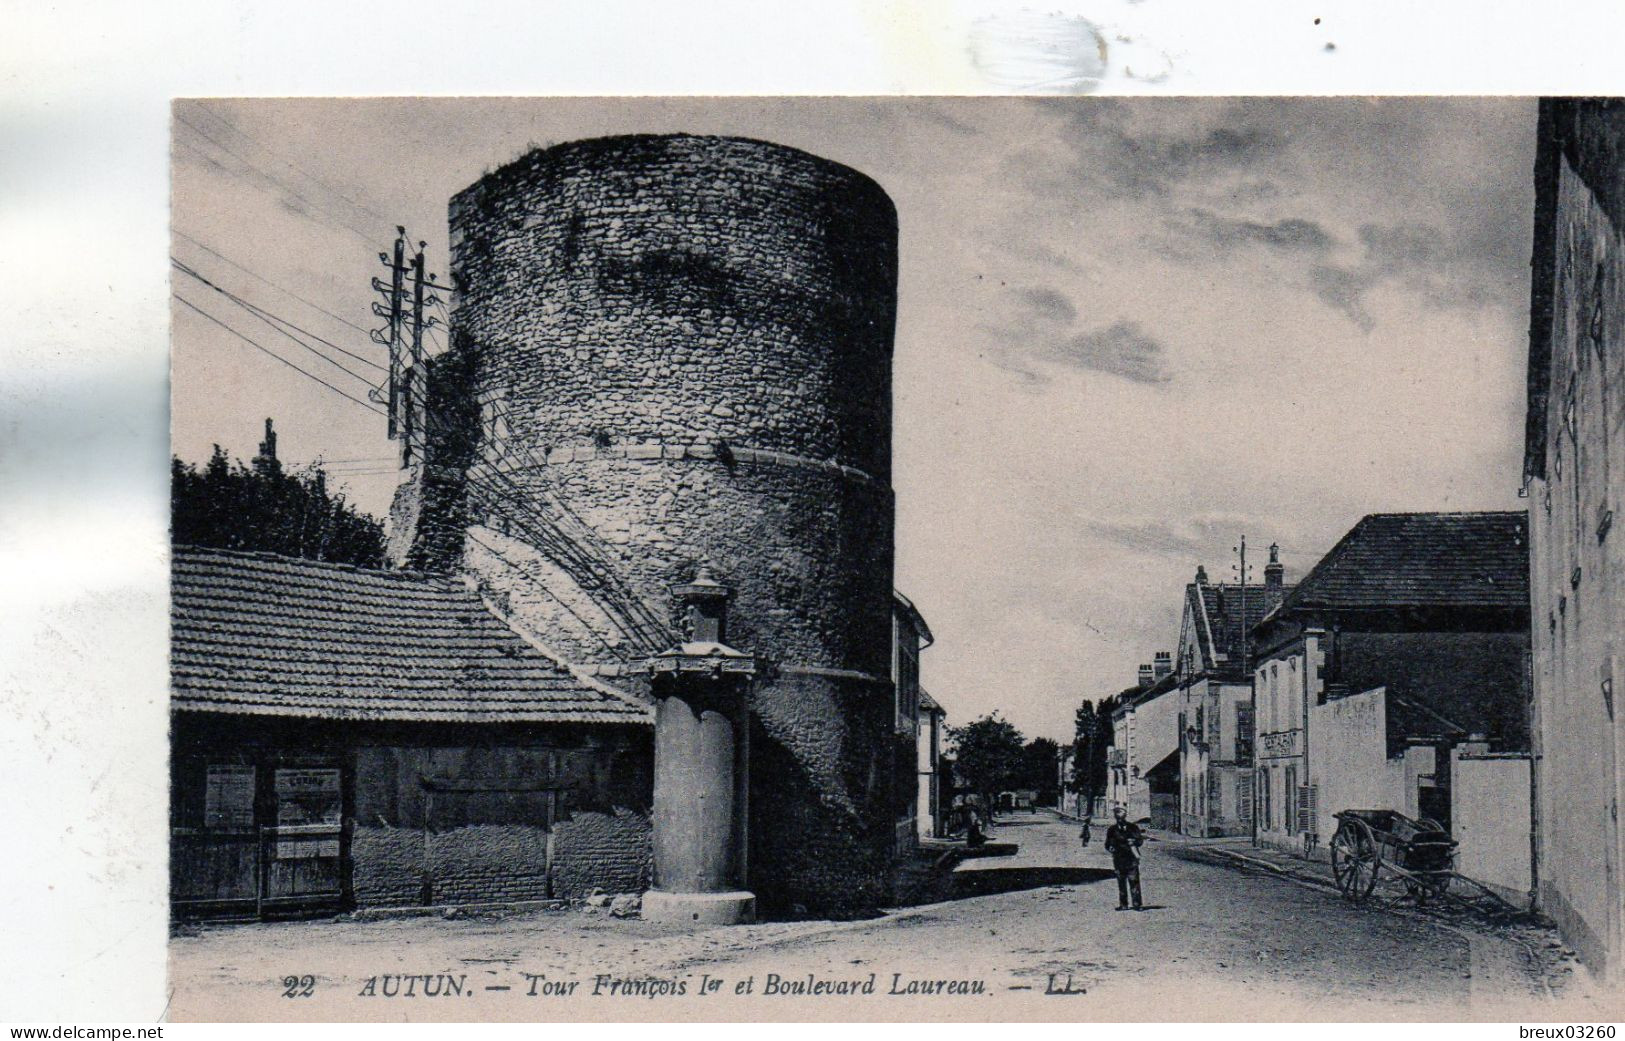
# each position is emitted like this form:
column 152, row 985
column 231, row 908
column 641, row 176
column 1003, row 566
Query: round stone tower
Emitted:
column 675, row 351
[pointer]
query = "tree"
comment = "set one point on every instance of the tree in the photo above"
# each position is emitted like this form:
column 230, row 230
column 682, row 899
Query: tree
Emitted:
column 1083, row 745
column 1038, row 761
column 1099, row 772
column 1091, row 739
column 987, row 757
column 231, row 506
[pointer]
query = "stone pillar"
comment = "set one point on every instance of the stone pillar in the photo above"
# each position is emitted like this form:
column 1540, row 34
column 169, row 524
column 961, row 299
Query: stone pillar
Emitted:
column 701, row 762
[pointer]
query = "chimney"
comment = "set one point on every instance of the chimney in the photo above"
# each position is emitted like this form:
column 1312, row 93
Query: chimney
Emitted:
column 1162, row 664
column 1147, row 676
column 266, row 459
column 1201, row 575
column 1273, row 574
column 705, row 608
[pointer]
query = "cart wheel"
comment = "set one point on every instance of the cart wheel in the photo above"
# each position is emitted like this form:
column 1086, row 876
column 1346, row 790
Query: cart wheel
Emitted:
column 1354, row 860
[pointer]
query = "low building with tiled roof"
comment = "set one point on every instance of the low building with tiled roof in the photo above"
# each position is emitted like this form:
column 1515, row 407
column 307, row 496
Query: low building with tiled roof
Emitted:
column 354, row 737
column 256, row 633
column 1404, row 649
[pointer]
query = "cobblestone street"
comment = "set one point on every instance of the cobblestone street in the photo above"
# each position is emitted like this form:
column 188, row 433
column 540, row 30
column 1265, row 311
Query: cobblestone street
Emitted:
column 1041, row 941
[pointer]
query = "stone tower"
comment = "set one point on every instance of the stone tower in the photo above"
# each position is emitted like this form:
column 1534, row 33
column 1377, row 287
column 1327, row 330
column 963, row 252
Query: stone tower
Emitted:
column 672, row 352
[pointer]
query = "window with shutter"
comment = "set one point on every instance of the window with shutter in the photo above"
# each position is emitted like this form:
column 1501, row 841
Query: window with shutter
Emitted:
column 1290, row 792
column 1244, row 733
column 1308, row 807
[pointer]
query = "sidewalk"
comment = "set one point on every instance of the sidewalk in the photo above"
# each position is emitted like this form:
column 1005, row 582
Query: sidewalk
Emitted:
column 1525, row 945
column 1238, row 850
column 1241, row 851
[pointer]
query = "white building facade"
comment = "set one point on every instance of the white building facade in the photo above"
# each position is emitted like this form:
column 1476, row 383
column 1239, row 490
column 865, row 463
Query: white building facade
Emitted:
column 1216, row 712
column 1574, row 478
column 914, row 724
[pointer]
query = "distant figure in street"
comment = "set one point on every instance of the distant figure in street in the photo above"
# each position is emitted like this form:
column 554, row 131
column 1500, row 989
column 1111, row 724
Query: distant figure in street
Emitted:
column 1084, row 834
column 1123, row 841
column 974, row 838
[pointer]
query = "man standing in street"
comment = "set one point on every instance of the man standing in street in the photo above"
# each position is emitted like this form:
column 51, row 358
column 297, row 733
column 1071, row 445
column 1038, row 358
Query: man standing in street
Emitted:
column 1123, row 841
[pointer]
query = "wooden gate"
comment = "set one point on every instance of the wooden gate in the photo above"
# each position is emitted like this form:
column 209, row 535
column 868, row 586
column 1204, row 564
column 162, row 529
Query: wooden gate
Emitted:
column 257, row 835
column 214, row 862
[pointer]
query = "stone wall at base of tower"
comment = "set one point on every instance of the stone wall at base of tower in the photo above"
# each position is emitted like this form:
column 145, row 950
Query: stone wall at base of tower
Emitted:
column 820, row 794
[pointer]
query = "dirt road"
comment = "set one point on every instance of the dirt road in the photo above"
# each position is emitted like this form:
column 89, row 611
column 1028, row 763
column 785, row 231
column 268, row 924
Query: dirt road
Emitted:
column 1035, row 936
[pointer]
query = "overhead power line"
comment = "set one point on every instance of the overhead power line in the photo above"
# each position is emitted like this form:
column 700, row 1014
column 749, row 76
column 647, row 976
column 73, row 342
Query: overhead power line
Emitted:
column 335, row 222
column 290, row 164
column 317, row 219
column 275, row 321
column 274, row 285
column 266, row 350
column 589, row 627
column 573, row 551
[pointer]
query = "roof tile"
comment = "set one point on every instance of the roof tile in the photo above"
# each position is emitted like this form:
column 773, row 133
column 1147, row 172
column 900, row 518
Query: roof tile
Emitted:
column 1424, row 560
column 259, row 634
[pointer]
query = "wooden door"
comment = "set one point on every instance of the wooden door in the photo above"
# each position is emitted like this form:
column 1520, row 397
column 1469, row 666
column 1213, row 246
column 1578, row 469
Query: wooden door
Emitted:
column 215, row 854
column 304, row 846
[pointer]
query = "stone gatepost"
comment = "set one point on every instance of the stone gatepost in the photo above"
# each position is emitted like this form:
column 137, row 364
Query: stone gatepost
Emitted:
column 702, row 755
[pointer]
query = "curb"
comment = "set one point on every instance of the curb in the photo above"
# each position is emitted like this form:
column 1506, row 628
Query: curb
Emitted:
column 514, row 907
column 1313, row 881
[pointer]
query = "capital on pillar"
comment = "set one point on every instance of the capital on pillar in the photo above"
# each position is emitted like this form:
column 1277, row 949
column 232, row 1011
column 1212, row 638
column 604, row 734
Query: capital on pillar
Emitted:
column 702, row 737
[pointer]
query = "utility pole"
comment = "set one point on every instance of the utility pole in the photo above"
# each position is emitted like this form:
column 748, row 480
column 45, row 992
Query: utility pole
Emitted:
column 416, row 365
column 393, row 292
column 1241, row 574
column 408, row 383
column 1240, row 569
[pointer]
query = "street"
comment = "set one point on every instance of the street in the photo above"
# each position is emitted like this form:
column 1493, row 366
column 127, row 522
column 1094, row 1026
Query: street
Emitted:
column 1039, row 940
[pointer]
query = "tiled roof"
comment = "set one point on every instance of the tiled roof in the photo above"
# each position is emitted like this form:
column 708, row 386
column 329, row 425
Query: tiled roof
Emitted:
column 1231, row 613
column 1424, row 560
column 1153, row 692
column 256, row 633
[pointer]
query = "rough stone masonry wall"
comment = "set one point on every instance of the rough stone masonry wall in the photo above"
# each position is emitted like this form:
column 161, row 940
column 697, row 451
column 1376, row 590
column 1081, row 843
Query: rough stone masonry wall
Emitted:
column 681, row 352
column 488, row 842
column 682, row 290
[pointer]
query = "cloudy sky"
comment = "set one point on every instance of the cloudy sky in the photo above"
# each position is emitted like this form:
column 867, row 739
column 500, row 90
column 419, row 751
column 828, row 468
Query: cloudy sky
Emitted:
column 1129, row 332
